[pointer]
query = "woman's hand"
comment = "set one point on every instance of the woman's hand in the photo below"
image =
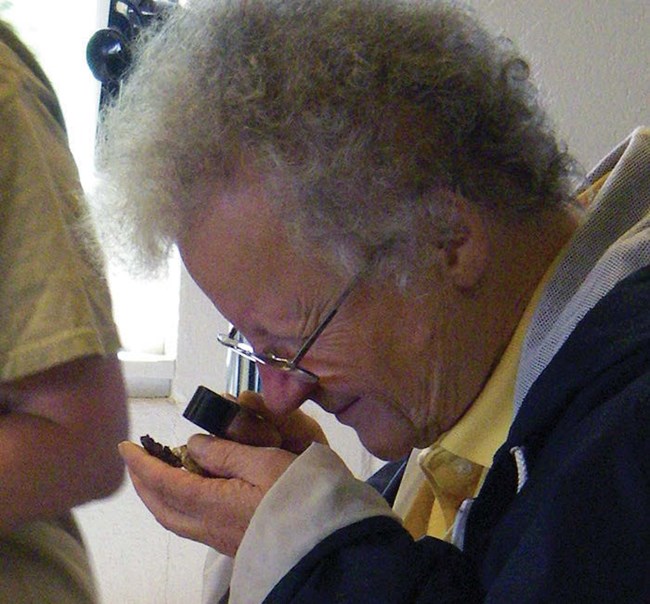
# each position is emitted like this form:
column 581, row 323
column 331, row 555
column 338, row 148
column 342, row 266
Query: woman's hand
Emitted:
column 214, row 511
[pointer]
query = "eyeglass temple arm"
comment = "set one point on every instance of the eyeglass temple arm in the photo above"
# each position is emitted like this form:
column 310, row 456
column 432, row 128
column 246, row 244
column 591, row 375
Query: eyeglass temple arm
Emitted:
column 307, row 344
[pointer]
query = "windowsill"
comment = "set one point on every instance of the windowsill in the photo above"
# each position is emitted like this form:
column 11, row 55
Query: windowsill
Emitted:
column 147, row 375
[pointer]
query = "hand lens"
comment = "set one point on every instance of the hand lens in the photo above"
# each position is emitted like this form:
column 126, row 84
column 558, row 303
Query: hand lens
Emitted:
column 211, row 411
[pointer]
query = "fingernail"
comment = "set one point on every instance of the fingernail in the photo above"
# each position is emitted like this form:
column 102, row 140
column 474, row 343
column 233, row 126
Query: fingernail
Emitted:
column 123, row 446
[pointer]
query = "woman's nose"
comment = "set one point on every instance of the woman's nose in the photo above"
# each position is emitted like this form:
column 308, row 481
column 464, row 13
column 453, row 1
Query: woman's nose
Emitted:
column 283, row 393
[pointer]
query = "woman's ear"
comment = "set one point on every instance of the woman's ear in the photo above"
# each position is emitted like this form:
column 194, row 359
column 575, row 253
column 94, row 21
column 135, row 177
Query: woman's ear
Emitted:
column 465, row 245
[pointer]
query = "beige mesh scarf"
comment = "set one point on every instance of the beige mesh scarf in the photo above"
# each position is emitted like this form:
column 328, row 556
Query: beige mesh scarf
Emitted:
column 613, row 243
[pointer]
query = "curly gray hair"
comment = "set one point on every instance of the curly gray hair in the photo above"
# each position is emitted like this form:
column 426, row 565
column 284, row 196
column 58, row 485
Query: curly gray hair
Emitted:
column 363, row 112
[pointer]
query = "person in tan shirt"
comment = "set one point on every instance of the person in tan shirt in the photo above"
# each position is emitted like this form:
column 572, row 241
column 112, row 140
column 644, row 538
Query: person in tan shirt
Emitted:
column 62, row 396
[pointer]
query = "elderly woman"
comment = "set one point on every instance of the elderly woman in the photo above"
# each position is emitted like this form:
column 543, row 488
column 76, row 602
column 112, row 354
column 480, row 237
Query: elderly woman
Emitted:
column 371, row 194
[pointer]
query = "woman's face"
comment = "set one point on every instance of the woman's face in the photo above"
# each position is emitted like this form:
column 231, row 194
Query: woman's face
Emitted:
column 382, row 362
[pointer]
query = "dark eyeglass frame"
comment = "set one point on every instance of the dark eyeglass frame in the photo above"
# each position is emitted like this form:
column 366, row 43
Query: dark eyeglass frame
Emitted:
column 288, row 366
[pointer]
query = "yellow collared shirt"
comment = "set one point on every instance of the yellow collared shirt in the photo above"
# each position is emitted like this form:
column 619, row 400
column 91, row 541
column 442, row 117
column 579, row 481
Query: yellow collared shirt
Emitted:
column 439, row 478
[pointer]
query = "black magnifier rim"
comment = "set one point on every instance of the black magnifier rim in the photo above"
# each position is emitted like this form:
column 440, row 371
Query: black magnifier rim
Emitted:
column 211, row 411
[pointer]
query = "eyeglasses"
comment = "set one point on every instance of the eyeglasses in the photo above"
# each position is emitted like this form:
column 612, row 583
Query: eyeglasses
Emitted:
column 288, row 366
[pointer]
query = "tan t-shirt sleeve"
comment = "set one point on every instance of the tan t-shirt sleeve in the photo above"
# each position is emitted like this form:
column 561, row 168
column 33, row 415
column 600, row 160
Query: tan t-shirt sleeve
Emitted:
column 54, row 301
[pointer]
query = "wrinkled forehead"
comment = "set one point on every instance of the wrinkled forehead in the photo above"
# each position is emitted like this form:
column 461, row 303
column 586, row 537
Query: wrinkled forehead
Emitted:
column 240, row 255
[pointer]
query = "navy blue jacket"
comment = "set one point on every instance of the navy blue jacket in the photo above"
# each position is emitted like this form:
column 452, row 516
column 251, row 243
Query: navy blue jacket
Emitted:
column 579, row 528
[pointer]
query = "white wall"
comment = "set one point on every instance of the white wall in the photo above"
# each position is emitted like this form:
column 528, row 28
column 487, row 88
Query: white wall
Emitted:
column 591, row 57
column 200, row 359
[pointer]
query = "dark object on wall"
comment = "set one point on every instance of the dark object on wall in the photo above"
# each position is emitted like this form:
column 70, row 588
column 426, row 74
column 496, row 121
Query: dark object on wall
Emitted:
column 108, row 52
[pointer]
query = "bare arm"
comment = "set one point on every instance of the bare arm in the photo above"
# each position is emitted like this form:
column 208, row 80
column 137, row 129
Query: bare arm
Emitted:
column 59, row 431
